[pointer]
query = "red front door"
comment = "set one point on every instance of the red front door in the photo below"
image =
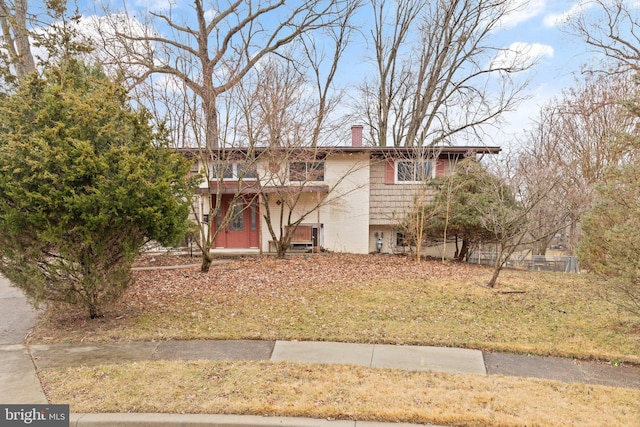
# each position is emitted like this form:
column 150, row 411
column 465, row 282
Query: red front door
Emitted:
column 242, row 231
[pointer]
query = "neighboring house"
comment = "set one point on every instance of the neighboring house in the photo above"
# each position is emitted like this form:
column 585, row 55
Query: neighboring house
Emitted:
column 362, row 192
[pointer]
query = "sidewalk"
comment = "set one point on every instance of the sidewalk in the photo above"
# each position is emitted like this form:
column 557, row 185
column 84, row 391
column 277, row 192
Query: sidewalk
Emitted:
column 20, row 383
column 414, row 358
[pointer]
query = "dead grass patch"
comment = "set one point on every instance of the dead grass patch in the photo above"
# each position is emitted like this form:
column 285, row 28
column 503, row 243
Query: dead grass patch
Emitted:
column 366, row 299
column 338, row 391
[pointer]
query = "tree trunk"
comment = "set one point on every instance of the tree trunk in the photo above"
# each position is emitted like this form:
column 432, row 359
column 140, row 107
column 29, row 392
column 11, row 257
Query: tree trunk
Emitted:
column 93, row 311
column 25, row 63
column 494, row 277
column 211, row 121
column 457, row 251
column 497, row 268
column 463, row 251
column 282, row 248
column 16, row 34
column 206, row 262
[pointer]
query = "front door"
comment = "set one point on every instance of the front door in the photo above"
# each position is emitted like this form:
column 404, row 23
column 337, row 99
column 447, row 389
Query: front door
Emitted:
column 242, row 231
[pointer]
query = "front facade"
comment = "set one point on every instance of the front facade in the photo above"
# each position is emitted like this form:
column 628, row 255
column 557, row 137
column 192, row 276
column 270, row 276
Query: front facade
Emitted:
column 339, row 199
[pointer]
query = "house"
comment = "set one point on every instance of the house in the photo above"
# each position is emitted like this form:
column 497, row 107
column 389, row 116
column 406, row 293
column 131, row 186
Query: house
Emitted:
column 343, row 199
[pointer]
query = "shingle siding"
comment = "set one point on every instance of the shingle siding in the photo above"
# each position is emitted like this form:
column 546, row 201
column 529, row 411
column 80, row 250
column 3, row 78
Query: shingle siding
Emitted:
column 390, row 202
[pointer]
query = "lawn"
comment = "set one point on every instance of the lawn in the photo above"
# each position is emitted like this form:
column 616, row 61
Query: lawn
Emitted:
column 364, row 299
column 367, row 299
column 339, row 392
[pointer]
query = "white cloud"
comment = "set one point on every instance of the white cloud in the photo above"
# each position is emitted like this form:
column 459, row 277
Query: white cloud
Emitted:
column 522, row 10
column 155, row 5
column 555, row 19
column 517, row 122
column 100, row 32
column 520, row 55
column 210, row 14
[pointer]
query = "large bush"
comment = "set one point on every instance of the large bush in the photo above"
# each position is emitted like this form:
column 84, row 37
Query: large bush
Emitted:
column 610, row 247
column 85, row 181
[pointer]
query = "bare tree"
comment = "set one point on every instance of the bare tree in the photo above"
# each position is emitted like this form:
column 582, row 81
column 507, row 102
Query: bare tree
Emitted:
column 576, row 138
column 196, row 70
column 610, row 27
column 213, row 49
column 507, row 216
column 281, row 116
column 512, row 218
column 438, row 73
column 291, row 120
column 295, row 186
column 228, row 188
column 16, row 58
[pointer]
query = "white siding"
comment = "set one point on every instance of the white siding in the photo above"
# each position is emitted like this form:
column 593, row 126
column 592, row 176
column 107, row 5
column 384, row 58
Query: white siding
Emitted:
column 345, row 213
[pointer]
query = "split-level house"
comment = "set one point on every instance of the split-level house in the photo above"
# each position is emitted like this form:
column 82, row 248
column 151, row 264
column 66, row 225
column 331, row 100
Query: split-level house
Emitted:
column 339, row 199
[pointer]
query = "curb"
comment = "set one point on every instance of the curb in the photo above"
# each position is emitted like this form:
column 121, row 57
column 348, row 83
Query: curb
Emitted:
column 211, row 420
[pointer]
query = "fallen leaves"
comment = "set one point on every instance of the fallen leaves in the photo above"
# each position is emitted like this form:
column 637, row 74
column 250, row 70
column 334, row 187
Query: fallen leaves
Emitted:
column 357, row 298
column 274, row 277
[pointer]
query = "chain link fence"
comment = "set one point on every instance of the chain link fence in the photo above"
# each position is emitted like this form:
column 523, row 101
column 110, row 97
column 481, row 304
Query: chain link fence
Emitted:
column 564, row 264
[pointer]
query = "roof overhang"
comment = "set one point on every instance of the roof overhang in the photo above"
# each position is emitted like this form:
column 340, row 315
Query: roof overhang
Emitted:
column 440, row 151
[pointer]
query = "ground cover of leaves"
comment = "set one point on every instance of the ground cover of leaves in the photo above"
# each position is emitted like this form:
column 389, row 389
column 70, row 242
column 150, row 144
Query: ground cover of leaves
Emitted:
column 360, row 298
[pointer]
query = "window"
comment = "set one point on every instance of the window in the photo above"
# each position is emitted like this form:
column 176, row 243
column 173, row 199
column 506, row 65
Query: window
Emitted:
column 413, row 171
column 234, row 171
column 306, row 171
column 237, row 216
column 400, row 240
column 246, row 171
column 222, row 170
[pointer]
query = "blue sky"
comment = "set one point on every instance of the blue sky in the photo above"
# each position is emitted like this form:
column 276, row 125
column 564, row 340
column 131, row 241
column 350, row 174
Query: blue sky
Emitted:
column 562, row 58
column 537, row 26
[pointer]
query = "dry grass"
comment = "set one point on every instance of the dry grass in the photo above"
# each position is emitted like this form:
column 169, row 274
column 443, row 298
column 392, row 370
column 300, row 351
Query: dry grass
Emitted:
column 381, row 299
column 341, row 392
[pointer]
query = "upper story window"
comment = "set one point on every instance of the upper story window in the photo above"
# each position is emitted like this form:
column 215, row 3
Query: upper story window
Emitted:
column 234, row 171
column 413, row 170
column 306, row 171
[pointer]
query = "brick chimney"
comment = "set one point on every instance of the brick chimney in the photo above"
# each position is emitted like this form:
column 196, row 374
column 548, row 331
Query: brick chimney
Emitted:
column 356, row 135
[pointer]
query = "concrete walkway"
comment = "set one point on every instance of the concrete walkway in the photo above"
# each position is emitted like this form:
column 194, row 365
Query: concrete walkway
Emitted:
column 413, row 358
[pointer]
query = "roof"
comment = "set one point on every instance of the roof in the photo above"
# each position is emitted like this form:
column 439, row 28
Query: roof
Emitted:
column 442, row 151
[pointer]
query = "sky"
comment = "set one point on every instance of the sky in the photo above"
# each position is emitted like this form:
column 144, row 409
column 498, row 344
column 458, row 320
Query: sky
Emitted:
column 536, row 29
column 562, row 57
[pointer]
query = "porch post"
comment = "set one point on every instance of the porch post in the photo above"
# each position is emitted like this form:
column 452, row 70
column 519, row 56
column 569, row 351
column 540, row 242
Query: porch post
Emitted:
column 316, row 248
column 259, row 222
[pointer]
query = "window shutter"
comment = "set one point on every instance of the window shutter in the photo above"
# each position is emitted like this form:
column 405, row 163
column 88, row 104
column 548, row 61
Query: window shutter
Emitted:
column 440, row 167
column 389, row 173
